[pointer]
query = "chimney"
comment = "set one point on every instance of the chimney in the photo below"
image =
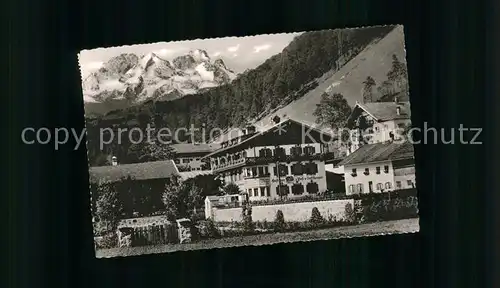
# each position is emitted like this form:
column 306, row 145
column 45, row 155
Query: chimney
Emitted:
column 114, row 161
column 398, row 110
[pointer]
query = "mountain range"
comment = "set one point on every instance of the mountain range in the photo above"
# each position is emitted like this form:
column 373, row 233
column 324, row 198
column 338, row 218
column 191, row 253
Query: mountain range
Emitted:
column 289, row 85
column 134, row 79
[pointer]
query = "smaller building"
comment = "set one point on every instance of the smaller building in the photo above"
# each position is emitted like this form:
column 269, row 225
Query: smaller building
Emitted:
column 378, row 122
column 234, row 200
column 379, row 167
column 188, row 156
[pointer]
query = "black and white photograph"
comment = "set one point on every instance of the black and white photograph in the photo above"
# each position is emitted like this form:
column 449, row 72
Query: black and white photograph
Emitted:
column 249, row 141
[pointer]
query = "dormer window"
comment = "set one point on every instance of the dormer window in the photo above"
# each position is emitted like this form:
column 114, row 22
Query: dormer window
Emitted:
column 367, row 171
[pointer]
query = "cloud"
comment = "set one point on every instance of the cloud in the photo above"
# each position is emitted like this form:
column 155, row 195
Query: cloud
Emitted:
column 165, row 52
column 235, row 55
column 216, row 54
column 92, row 65
column 257, row 49
column 233, row 48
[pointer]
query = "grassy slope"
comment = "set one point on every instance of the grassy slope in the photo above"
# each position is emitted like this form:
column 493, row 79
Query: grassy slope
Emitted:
column 375, row 61
column 380, row 228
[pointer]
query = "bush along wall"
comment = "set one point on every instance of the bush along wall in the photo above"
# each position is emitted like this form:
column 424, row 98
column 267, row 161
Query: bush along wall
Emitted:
column 388, row 206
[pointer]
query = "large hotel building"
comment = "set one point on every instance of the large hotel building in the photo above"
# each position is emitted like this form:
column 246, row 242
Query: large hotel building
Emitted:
column 286, row 160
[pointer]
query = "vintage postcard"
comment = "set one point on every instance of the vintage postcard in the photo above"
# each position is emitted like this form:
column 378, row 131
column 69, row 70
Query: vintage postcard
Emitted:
column 256, row 140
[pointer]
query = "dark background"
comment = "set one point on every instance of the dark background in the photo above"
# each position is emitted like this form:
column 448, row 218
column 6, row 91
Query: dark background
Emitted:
column 450, row 58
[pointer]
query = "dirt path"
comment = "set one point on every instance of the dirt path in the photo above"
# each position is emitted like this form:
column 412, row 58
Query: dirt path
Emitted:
column 389, row 227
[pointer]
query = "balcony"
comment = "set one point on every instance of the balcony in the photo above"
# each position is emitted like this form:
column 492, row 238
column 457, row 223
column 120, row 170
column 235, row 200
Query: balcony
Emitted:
column 230, row 165
column 271, row 159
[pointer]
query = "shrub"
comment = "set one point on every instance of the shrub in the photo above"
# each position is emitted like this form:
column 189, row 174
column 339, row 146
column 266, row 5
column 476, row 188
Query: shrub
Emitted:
column 208, row 229
column 316, row 217
column 279, row 221
column 350, row 214
column 246, row 213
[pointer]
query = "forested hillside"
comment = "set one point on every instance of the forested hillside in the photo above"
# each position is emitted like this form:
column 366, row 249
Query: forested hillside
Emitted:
column 280, row 79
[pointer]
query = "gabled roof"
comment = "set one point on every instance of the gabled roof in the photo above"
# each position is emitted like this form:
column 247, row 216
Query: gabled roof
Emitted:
column 192, row 174
column 379, row 152
column 188, row 148
column 269, row 130
column 382, row 111
column 137, row 171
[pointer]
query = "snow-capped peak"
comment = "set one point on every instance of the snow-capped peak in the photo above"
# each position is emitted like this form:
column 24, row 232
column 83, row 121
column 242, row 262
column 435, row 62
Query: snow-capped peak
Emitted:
column 152, row 77
column 199, row 55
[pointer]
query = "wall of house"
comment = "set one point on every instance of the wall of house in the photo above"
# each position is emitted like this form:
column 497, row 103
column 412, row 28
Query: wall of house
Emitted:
column 270, row 182
column 381, row 130
column 363, row 179
column 404, row 177
column 291, row 212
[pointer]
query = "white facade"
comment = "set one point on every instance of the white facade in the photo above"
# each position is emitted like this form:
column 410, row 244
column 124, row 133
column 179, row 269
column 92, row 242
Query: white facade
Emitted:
column 404, row 177
column 369, row 178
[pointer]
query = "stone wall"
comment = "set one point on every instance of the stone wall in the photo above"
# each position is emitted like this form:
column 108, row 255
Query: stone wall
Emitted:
column 292, row 212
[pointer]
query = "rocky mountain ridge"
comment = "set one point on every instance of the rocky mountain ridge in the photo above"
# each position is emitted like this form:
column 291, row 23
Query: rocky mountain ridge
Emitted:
column 137, row 79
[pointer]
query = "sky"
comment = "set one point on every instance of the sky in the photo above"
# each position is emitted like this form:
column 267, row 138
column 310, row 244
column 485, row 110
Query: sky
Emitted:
column 238, row 53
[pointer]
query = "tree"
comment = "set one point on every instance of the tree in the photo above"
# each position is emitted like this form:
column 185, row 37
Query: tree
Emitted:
column 146, row 152
column 279, row 221
column 172, row 200
column 369, row 83
column 398, row 74
column 316, row 217
column 108, row 207
column 231, row 189
column 332, row 111
column 246, row 216
column 181, row 199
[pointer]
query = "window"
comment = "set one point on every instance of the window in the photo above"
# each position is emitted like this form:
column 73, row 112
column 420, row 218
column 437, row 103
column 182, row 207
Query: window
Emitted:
column 309, row 150
column 379, row 186
column 249, row 192
column 398, row 184
column 254, row 172
column 377, row 169
column 311, row 168
column 354, row 174
column 256, row 192
column 275, row 170
column 386, row 169
column 279, row 152
column 283, row 169
column 266, row 171
column 197, row 159
column 388, row 185
column 248, row 172
column 268, row 191
column 297, row 189
column 296, row 151
column 185, row 160
column 367, row 171
column 177, row 161
column 359, row 188
column 377, row 129
column 297, row 169
column 352, row 189
column 261, row 171
column 312, row 188
column 262, row 191
column 410, row 183
column 401, row 125
column 285, row 190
